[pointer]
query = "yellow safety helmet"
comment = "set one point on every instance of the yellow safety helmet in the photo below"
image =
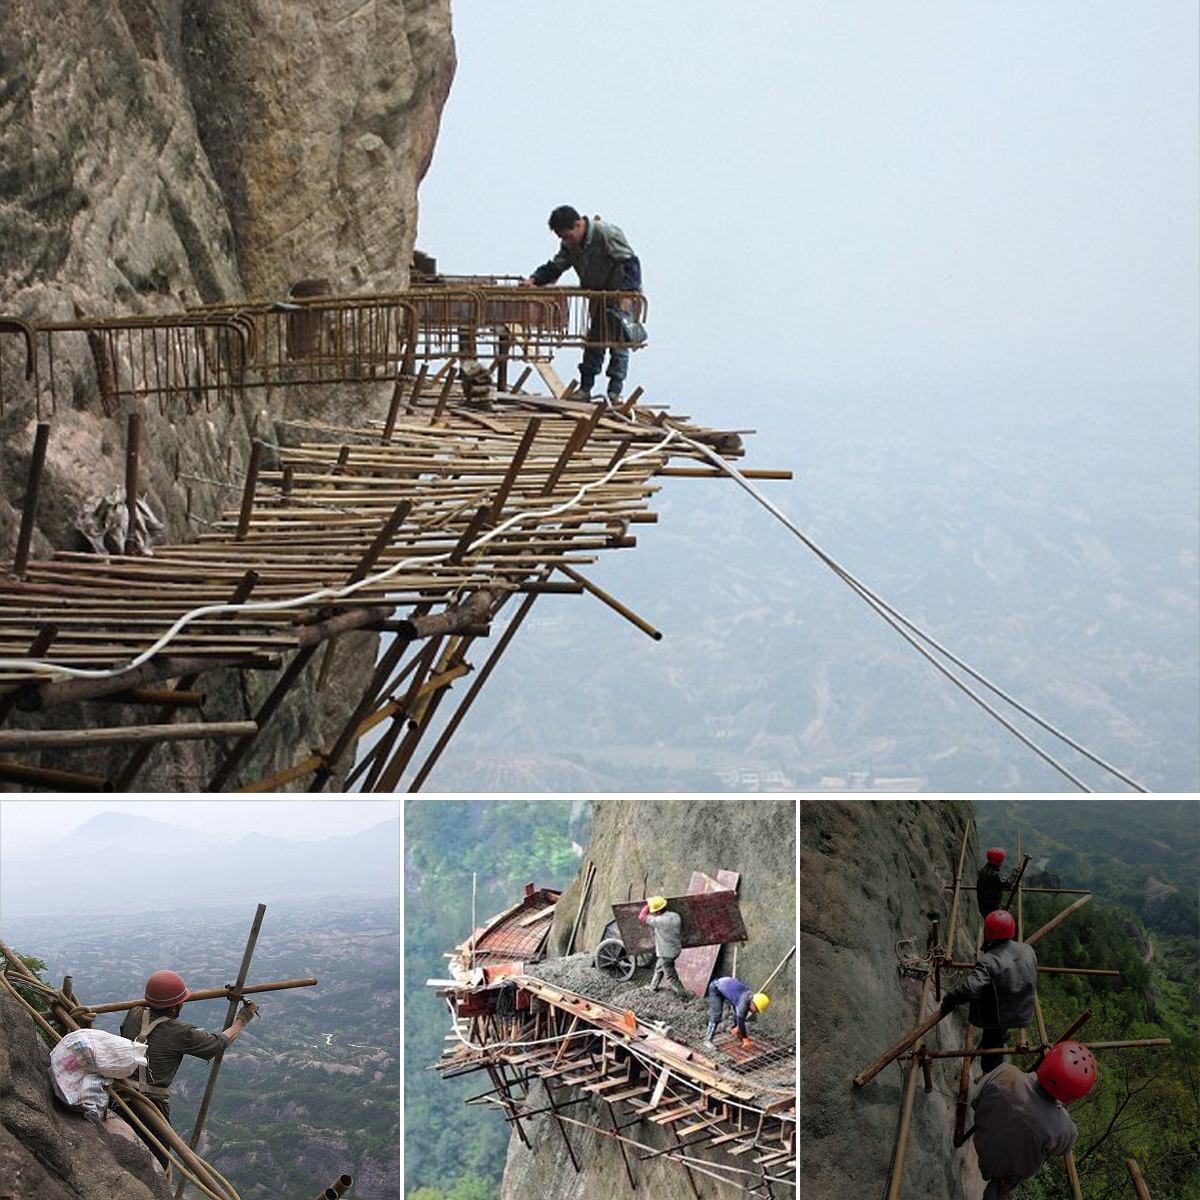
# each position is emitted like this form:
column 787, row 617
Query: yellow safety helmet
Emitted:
column 656, row 903
column 761, row 1000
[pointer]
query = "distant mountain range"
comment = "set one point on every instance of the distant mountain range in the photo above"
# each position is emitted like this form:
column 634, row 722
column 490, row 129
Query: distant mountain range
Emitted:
column 116, row 861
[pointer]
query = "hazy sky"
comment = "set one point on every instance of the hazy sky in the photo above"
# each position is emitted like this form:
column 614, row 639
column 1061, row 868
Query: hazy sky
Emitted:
column 846, row 191
column 28, row 823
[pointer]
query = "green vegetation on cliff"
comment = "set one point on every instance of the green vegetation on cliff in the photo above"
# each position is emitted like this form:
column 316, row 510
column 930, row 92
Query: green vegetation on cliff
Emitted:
column 452, row 1152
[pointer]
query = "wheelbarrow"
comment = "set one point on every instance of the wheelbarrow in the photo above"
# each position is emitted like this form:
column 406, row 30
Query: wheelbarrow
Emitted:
column 614, row 959
column 708, row 919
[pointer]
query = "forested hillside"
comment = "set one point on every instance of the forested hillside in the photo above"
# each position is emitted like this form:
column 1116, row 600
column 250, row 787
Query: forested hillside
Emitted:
column 452, row 1152
column 1141, row 860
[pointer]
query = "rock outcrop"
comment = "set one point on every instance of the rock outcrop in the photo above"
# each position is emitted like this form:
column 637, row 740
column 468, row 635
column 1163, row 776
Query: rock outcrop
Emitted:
column 164, row 153
column 663, row 842
column 871, row 873
column 49, row 1153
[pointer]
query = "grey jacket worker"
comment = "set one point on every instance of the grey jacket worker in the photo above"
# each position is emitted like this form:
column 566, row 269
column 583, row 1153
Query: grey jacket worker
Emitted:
column 668, row 945
column 605, row 262
column 1017, row 1124
column 1002, row 987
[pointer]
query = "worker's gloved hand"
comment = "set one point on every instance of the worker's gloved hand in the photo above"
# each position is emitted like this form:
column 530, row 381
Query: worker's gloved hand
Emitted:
column 248, row 1012
column 949, row 1003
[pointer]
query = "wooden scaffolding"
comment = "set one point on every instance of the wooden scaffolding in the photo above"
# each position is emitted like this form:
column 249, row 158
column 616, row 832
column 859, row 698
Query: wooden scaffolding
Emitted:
column 456, row 500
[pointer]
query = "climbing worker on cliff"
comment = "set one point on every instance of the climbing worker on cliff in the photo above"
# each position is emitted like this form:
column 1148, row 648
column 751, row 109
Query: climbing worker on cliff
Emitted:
column 1019, row 1116
column 744, row 1001
column 1001, row 988
column 990, row 885
column 668, row 943
column 157, row 1024
column 605, row 262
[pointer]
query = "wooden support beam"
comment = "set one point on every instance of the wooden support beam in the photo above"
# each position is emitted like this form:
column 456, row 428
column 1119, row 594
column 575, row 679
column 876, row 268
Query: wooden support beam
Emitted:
column 65, row 739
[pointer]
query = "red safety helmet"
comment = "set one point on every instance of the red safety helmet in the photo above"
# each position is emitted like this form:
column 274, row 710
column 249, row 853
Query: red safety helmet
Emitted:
column 995, row 856
column 999, row 925
column 165, row 989
column 1067, row 1072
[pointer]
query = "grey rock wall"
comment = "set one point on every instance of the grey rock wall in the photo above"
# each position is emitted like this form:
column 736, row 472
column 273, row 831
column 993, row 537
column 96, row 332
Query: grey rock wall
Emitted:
column 50, row 1153
column 162, row 153
column 664, row 840
column 871, row 872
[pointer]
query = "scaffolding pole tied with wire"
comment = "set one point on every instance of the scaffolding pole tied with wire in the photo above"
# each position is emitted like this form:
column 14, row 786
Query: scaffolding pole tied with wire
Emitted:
column 909, row 1048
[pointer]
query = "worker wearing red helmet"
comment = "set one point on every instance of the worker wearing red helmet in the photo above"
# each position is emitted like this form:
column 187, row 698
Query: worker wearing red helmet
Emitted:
column 1019, row 1118
column 990, row 885
column 157, row 1024
column 1001, row 989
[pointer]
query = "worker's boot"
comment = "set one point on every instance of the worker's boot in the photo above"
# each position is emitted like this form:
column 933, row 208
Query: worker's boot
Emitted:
column 709, row 1033
column 584, row 390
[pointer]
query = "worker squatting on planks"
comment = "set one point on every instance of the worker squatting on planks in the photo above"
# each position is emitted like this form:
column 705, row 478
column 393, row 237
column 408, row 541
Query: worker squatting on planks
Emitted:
column 668, row 944
column 157, row 1024
column 1020, row 1118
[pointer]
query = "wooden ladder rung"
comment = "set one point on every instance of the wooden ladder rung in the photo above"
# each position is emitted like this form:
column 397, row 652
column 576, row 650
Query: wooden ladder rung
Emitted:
column 640, row 1089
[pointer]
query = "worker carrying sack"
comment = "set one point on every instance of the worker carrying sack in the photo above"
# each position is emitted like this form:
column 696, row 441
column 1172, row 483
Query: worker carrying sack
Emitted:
column 84, row 1061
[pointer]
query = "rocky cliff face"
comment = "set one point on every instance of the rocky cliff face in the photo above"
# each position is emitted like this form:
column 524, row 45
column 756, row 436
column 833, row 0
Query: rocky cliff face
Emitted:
column 662, row 842
column 871, row 873
column 49, row 1153
column 162, row 153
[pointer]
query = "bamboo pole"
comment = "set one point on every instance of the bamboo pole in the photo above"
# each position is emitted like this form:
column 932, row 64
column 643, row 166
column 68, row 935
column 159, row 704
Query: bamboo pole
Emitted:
column 44, row 739
column 910, row 1092
column 1026, row 1050
column 1139, row 1184
column 923, row 1027
column 212, row 994
column 964, row 1085
column 1020, row 936
column 970, row 887
column 966, row 966
column 230, row 1013
column 782, row 963
column 1034, row 938
column 61, row 1015
column 1073, row 1176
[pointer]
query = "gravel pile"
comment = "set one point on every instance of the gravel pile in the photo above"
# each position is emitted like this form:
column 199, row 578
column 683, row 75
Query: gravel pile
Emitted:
column 686, row 1019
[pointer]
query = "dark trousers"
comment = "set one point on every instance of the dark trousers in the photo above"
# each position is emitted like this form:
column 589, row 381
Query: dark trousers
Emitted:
column 990, row 1039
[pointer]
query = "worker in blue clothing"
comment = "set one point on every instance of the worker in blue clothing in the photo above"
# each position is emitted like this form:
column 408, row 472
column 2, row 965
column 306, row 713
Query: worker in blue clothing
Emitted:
column 605, row 262
column 745, row 1002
